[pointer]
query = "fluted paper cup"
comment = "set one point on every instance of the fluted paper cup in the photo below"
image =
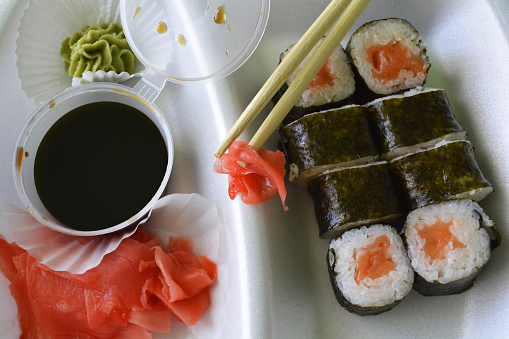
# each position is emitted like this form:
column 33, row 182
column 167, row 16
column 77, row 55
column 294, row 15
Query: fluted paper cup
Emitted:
column 43, row 27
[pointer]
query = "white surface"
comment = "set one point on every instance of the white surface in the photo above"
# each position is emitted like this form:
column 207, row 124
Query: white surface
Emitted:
column 278, row 281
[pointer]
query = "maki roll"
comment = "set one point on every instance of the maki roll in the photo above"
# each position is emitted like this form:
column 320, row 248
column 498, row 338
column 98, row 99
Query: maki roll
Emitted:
column 446, row 172
column 426, row 113
column 350, row 197
column 331, row 87
column 369, row 269
column 328, row 139
column 448, row 244
column 387, row 56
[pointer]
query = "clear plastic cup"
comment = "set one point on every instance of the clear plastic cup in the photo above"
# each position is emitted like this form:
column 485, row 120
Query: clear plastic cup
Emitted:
column 52, row 110
column 195, row 40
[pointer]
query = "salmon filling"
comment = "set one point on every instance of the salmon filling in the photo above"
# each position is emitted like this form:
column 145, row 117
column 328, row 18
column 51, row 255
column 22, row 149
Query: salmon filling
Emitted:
column 437, row 236
column 323, row 77
column 374, row 260
column 389, row 60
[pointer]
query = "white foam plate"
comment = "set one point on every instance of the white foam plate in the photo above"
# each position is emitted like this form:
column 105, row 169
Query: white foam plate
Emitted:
column 278, row 282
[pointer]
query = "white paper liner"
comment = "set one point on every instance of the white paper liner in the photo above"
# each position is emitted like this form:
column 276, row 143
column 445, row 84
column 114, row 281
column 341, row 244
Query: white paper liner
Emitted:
column 194, row 216
column 9, row 323
column 58, row 251
column 189, row 215
column 43, row 27
column 102, row 76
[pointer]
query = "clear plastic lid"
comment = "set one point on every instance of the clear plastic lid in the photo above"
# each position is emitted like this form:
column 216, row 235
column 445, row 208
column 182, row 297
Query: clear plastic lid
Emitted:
column 194, row 40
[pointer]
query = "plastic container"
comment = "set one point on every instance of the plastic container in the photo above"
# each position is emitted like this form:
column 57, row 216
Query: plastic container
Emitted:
column 186, row 41
column 194, row 40
column 47, row 114
column 180, row 41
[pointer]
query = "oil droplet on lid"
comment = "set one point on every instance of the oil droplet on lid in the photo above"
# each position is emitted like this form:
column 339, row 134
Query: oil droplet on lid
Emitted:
column 19, row 158
column 161, row 27
column 226, row 51
column 27, row 154
column 137, row 10
column 181, row 39
column 53, row 104
column 220, row 15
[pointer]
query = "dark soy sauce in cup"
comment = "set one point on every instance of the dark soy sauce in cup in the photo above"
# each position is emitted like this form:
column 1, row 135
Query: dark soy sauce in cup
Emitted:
column 99, row 165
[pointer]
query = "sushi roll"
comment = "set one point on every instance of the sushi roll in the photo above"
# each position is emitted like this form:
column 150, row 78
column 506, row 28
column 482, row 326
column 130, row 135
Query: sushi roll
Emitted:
column 447, row 171
column 387, row 56
column 350, row 197
column 328, row 139
column 426, row 113
column 369, row 269
column 448, row 244
column 332, row 87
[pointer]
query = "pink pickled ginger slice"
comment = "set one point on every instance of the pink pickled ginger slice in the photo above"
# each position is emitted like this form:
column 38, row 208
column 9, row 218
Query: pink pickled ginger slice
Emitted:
column 256, row 175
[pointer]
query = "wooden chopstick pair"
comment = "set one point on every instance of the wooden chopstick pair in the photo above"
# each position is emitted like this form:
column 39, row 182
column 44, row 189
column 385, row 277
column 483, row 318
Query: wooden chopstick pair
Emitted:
column 301, row 49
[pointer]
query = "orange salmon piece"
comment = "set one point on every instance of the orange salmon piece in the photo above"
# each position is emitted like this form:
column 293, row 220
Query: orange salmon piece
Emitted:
column 389, row 60
column 437, row 236
column 323, row 77
column 373, row 260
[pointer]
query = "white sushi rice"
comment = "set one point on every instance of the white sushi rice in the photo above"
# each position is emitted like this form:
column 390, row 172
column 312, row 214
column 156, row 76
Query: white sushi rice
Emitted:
column 466, row 217
column 318, row 170
column 423, row 146
column 387, row 32
column 370, row 293
column 411, row 92
column 437, row 145
column 343, row 80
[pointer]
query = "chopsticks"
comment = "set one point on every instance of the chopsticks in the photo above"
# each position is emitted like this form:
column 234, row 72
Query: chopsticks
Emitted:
column 296, row 55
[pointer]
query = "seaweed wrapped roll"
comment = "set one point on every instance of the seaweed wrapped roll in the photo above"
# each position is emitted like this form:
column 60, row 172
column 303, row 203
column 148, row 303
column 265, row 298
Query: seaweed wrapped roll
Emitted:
column 369, row 269
column 446, row 172
column 331, row 87
column 350, row 197
column 328, row 139
column 426, row 113
column 387, row 56
column 448, row 244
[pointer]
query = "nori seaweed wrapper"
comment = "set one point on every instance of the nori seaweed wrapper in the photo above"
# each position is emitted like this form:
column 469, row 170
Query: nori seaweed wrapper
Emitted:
column 495, row 236
column 363, row 94
column 352, row 197
column 404, row 121
column 436, row 288
column 329, row 138
column 443, row 173
column 356, row 309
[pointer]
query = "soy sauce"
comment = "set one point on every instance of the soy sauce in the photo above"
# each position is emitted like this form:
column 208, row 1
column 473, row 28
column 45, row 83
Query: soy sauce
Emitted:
column 99, row 165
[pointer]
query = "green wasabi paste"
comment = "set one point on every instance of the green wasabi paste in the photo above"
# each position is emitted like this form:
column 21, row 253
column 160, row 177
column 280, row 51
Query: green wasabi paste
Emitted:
column 94, row 48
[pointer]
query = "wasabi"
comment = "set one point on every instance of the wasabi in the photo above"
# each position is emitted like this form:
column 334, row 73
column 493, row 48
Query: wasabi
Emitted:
column 95, row 48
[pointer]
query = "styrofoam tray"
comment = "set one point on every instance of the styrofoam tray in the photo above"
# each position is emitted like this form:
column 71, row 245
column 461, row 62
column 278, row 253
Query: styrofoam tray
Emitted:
column 278, row 285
